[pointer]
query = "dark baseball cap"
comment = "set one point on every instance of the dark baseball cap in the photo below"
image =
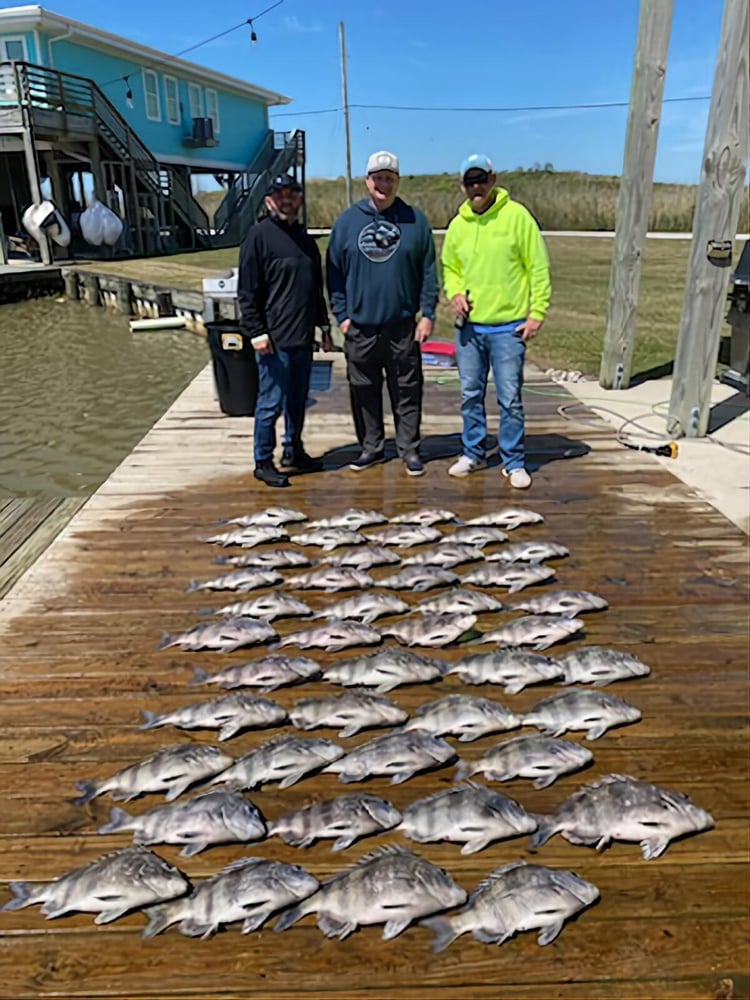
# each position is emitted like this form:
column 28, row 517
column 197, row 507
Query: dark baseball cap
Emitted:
column 282, row 181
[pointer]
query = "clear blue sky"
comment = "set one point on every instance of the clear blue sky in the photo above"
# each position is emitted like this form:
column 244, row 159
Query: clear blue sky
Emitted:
column 433, row 53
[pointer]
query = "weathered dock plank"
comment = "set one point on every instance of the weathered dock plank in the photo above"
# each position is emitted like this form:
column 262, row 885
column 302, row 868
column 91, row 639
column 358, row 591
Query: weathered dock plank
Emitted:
column 27, row 526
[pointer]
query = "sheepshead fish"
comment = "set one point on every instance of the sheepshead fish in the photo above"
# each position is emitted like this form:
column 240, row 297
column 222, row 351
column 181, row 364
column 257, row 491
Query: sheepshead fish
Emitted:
column 365, row 558
column 618, row 807
column 567, row 603
column 267, row 673
column 419, row 578
column 464, row 716
column 510, row 518
column 513, row 668
column 431, row 630
column 477, row 536
column 391, row 886
column 248, row 538
column 229, row 714
column 384, row 670
column 225, row 636
column 346, row 818
column 539, row 631
column 330, row 538
column 211, row 818
column 354, row 518
column 468, row 814
column 354, row 710
column 592, row 711
column 515, row 577
column 426, row 517
column 284, row 758
column 447, row 554
column 331, row 578
column 268, row 559
column 533, row 552
column 109, row 887
column 249, row 890
column 599, row 665
column 172, row 769
column 517, row 897
column 241, row 580
column 403, row 536
column 270, row 516
column 542, row 758
column 460, row 600
column 268, row 607
column 333, row 636
column 400, row 755
column 366, row 607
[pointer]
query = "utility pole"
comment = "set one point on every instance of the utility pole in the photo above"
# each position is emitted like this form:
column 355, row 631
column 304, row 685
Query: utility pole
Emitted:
column 636, row 188
column 345, row 98
column 725, row 158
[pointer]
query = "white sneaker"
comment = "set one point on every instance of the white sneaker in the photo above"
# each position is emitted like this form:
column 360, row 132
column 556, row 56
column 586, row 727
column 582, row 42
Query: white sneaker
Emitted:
column 519, row 478
column 465, row 466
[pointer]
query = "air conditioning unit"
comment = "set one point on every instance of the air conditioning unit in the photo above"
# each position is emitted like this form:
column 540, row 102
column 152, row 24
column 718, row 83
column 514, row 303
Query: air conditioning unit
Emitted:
column 203, row 129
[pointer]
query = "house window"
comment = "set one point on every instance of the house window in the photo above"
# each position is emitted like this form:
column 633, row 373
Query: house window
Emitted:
column 151, row 90
column 212, row 109
column 13, row 50
column 172, row 100
column 195, row 100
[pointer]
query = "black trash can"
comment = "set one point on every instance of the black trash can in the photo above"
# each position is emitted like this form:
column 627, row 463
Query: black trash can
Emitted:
column 235, row 369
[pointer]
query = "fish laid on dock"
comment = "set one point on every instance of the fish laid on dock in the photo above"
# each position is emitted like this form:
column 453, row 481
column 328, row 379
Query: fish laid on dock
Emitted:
column 514, row 668
column 398, row 755
column 229, row 714
column 600, row 665
column 426, row 517
column 464, row 716
column 330, row 538
column 267, row 673
column 567, row 603
column 248, row 538
column 477, row 536
column 510, row 518
column 419, row 578
column 269, row 607
column 365, row 557
column 353, row 710
column 542, row 758
column 403, row 536
column 267, row 559
column 539, row 631
column 285, row 758
column 346, row 818
column 272, row 516
column 385, row 670
column 331, row 578
column 366, row 608
column 242, row 579
column 354, row 519
column 460, row 600
column 532, row 552
column 431, row 630
column 580, row 709
column 334, row 636
column 447, row 554
column 514, row 577
column 224, row 636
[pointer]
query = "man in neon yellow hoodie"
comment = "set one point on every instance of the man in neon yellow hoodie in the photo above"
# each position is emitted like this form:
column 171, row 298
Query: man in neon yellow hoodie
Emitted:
column 496, row 276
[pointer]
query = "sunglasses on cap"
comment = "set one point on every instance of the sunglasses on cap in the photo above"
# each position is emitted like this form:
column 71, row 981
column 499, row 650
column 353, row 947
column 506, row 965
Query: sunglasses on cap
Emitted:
column 478, row 177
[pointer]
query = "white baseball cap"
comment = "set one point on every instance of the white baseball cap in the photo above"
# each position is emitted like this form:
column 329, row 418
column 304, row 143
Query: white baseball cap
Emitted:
column 382, row 160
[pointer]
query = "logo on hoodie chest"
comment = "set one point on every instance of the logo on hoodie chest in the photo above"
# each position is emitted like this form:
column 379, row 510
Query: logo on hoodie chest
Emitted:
column 379, row 240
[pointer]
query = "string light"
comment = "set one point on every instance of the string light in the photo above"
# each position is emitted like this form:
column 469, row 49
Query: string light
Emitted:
column 253, row 35
column 129, row 93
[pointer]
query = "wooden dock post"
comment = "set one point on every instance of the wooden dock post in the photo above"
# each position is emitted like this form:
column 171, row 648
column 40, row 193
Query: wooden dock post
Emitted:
column 636, row 187
column 725, row 158
column 71, row 284
column 124, row 297
column 91, row 291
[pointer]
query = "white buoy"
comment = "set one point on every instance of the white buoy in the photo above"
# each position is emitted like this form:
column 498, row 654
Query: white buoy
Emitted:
column 159, row 323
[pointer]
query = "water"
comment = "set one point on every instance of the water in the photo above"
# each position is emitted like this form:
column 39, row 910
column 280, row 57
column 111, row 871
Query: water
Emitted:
column 78, row 391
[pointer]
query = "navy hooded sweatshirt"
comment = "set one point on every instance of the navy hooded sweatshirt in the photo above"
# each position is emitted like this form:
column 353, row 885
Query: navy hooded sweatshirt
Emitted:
column 380, row 266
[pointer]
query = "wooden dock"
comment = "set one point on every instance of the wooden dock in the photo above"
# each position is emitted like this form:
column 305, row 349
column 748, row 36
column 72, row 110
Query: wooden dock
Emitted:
column 78, row 662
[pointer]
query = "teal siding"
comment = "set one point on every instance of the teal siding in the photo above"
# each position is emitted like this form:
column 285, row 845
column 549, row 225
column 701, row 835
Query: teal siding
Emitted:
column 243, row 121
column 28, row 37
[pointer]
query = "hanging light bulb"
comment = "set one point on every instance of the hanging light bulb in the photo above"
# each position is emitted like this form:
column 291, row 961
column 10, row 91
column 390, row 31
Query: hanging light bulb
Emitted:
column 129, row 93
column 253, row 36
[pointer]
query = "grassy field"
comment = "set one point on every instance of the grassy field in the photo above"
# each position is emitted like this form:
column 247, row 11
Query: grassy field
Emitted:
column 572, row 336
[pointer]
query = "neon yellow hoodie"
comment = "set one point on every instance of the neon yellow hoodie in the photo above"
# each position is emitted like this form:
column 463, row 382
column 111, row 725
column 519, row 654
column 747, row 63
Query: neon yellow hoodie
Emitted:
column 500, row 257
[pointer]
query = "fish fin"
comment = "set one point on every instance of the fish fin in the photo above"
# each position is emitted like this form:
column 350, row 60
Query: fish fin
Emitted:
column 393, row 928
column 255, row 922
column 159, row 918
column 22, row 896
column 543, row 644
column 602, row 843
column 545, row 830
column 176, row 790
column 545, row 781
column 152, row 719
column 228, row 731
column 190, row 849
column 199, row 677
column 89, row 790
column 288, row 918
column 654, row 847
column 469, row 737
column 351, row 730
column 348, row 777
column 343, row 842
column 464, row 770
column 293, row 778
column 444, row 931
column 190, row 928
column 118, row 820
column 595, row 732
column 397, row 779
column 386, row 686
column 515, row 588
column 472, row 846
column 550, row 932
column 334, row 927
column 491, row 937
column 107, row 916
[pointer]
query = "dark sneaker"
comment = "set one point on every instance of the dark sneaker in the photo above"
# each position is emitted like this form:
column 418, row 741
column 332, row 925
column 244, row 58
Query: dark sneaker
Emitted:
column 301, row 461
column 366, row 459
column 414, row 464
column 270, row 475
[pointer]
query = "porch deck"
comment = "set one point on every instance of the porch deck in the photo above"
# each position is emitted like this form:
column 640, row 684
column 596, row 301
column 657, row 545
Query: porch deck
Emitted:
column 78, row 663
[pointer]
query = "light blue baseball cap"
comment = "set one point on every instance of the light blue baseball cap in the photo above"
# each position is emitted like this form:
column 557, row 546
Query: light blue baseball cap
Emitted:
column 477, row 161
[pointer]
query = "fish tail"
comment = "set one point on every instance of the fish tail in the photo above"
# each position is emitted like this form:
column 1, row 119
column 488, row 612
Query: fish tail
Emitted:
column 464, row 770
column 21, row 896
column 118, row 819
column 151, row 718
column 199, row 677
column 89, row 792
column 289, row 917
column 158, row 920
column 193, row 585
column 205, row 612
column 166, row 640
column 221, row 560
column 445, row 932
column 546, row 829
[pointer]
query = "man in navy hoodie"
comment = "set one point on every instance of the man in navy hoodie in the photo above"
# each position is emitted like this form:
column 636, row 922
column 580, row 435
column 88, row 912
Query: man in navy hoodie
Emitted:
column 381, row 272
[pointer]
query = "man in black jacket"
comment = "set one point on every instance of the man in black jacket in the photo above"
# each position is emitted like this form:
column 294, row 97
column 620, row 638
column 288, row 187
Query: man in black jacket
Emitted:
column 280, row 292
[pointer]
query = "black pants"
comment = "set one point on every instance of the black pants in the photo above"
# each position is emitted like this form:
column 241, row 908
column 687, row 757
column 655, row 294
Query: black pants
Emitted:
column 375, row 351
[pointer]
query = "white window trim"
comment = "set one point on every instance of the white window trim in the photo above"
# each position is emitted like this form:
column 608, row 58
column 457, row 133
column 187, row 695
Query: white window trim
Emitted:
column 152, row 74
column 14, row 38
column 167, row 81
column 196, row 88
column 217, row 117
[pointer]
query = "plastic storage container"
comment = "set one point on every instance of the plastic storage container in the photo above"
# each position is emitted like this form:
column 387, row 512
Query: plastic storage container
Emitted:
column 235, row 369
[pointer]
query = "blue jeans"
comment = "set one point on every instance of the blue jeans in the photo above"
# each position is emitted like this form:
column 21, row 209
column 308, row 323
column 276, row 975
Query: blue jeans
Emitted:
column 283, row 384
column 505, row 352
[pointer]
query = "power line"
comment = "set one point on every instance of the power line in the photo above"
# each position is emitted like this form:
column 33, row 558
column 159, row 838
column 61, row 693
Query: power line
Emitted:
column 536, row 107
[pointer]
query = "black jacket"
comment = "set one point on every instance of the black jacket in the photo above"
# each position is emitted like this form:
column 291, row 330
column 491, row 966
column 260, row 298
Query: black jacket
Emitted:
column 280, row 284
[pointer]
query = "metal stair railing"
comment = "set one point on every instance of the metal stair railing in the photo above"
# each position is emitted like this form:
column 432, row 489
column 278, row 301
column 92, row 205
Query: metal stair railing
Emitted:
column 285, row 157
column 239, row 188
